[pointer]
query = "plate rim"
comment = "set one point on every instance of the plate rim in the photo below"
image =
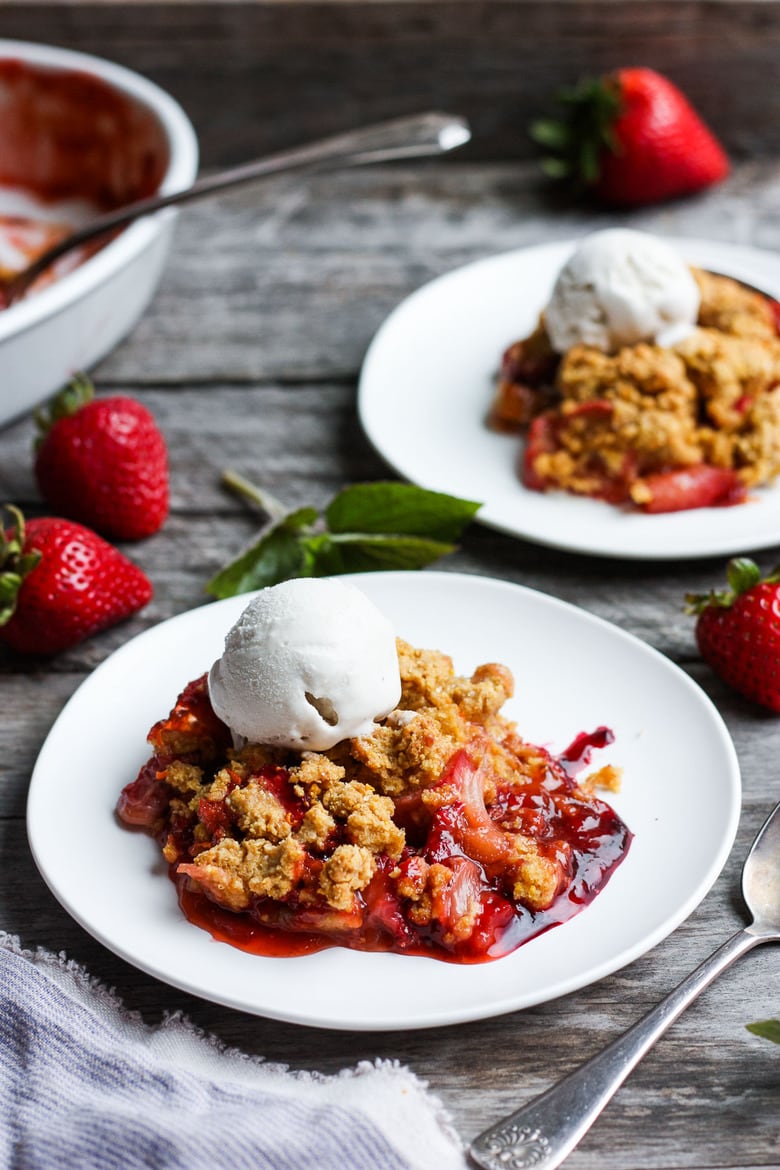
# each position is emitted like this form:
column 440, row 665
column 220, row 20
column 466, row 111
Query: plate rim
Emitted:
column 445, row 1017
column 739, row 259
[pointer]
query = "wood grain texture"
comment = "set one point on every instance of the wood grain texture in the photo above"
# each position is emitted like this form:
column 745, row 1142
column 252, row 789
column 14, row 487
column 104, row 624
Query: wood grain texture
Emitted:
column 248, row 357
column 287, row 283
column 257, row 75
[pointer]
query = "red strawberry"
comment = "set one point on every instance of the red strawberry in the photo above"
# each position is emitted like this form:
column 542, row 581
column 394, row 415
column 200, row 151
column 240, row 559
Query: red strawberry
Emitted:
column 61, row 583
column 103, row 462
column 738, row 631
column 698, row 486
column 633, row 138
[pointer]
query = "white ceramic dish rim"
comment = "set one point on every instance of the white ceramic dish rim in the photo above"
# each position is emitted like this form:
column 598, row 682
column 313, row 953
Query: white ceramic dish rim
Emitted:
column 488, row 1003
column 180, row 173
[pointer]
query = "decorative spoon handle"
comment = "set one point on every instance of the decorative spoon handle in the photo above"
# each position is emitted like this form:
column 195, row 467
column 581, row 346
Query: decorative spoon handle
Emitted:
column 542, row 1133
column 418, row 136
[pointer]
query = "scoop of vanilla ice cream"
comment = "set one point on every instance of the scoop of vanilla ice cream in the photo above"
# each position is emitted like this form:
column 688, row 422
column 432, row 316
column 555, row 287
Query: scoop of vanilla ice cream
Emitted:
column 618, row 288
column 310, row 662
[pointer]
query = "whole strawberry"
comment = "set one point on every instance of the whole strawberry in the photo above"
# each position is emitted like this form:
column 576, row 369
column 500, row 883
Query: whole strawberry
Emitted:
column 633, row 138
column 738, row 631
column 61, row 583
column 103, row 461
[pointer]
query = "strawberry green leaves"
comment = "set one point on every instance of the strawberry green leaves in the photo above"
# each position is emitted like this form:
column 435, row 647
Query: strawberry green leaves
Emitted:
column 742, row 575
column 364, row 528
column 15, row 561
column 738, row 634
column 576, row 141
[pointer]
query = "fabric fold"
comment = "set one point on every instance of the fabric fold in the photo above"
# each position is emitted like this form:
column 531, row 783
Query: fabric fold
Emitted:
column 87, row 1083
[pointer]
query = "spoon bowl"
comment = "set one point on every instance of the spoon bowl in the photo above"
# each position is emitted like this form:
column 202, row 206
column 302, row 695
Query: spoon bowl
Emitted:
column 543, row 1133
column 761, row 878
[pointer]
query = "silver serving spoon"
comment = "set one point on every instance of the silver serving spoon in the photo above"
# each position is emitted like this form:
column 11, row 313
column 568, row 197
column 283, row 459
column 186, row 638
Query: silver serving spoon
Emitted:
column 418, row 136
column 544, row 1132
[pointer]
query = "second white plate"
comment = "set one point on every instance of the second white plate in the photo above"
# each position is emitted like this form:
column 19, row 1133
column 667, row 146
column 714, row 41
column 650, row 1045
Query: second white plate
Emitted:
column 680, row 796
column 427, row 384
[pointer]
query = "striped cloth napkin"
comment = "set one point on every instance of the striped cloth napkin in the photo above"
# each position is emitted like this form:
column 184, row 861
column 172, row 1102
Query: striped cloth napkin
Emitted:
column 84, row 1083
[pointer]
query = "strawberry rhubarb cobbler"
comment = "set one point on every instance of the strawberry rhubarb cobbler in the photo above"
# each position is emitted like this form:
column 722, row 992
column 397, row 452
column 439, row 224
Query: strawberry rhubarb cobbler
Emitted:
column 365, row 795
column 646, row 383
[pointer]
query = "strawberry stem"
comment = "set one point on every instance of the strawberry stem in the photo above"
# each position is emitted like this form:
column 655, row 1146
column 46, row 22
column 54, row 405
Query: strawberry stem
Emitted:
column 15, row 563
column 584, row 131
column 742, row 574
column 66, row 402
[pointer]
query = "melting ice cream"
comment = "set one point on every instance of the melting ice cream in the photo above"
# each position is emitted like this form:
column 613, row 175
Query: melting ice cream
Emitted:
column 621, row 287
column 310, row 662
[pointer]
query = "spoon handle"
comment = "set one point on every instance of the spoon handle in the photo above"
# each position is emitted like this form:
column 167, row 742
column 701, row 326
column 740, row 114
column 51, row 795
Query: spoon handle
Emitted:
column 542, row 1133
column 417, row 136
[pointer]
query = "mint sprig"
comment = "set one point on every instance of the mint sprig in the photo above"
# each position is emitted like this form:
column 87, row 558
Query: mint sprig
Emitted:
column 365, row 527
column 767, row 1029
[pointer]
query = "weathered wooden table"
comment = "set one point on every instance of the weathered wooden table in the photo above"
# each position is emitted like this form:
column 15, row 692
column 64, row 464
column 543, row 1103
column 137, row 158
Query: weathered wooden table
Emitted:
column 248, row 357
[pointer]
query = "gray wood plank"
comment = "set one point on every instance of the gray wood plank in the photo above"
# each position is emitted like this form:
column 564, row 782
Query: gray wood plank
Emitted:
column 302, row 273
column 259, row 75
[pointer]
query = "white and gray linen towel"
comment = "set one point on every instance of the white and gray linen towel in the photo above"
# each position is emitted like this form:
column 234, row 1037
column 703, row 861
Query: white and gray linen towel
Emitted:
column 86, row 1084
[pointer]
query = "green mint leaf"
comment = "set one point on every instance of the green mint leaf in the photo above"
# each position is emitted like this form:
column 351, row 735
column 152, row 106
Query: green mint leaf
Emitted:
column 364, row 528
column 399, row 509
column 366, row 552
column 278, row 554
column 768, row 1029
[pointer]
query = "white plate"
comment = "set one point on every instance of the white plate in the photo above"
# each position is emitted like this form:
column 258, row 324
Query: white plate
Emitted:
column 428, row 380
column 680, row 796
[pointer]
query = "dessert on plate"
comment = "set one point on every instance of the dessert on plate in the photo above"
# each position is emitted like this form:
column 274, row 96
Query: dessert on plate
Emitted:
column 327, row 784
column 646, row 383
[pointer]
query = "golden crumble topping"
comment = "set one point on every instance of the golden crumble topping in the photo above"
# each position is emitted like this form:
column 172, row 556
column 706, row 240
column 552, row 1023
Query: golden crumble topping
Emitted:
column 258, row 812
column 731, row 307
column 661, row 428
column 185, row 778
column 431, row 834
column 348, row 869
column 316, row 828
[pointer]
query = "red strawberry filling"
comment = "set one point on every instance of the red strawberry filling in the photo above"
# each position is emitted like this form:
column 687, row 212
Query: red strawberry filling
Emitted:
column 700, row 486
column 473, row 865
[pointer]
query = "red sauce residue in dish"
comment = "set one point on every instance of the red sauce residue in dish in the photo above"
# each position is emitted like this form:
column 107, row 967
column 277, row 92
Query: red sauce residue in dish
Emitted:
column 22, row 240
column 65, row 134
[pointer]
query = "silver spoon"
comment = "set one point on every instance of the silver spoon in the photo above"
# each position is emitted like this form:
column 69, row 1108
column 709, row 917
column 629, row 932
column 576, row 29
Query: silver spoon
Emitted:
column 545, row 1131
column 418, row 136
